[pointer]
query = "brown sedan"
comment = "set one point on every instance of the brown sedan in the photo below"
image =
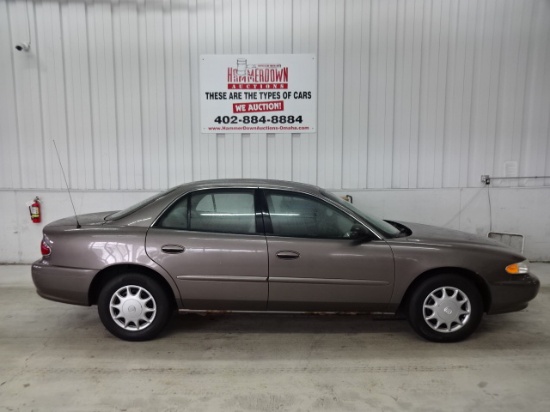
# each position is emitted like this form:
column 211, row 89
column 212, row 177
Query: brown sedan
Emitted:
column 273, row 246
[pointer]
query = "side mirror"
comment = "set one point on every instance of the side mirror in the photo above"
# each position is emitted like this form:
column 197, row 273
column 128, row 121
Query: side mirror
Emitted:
column 358, row 232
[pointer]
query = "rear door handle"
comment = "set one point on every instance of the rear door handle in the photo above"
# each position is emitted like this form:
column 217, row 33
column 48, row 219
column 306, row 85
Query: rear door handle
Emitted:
column 172, row 249
column 287, row 254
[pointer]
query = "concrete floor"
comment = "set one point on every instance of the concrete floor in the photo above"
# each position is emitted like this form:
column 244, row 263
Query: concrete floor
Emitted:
column 57, row 357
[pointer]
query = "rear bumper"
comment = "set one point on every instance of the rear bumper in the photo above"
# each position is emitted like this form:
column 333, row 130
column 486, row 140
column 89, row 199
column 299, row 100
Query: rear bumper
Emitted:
column 513, row 294
column 61, row 284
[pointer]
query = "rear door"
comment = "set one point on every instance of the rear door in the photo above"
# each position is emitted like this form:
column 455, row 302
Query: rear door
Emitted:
column 211, row 242
column 313, row 263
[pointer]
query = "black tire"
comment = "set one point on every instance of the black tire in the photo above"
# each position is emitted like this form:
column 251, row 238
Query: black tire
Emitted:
column 446, row 322
column 144, row 310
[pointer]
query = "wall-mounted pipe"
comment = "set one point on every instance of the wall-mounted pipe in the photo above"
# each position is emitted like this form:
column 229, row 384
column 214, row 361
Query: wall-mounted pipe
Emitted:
column 487, row 179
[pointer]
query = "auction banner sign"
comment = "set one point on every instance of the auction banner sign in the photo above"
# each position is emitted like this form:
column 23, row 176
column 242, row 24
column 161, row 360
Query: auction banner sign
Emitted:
column 258, row 93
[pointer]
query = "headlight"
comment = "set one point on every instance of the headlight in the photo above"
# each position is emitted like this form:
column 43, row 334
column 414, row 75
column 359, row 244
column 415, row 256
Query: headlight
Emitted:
column 518, row 268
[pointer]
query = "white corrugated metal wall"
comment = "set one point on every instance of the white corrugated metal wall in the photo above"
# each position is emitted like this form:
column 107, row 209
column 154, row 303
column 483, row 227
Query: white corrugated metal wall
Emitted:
column 412, row 94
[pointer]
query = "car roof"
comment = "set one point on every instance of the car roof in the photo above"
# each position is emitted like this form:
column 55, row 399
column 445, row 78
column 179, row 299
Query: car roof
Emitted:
column 260, row 183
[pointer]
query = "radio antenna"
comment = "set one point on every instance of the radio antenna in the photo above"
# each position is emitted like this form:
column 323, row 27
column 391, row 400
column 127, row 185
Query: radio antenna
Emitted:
column 67, row 184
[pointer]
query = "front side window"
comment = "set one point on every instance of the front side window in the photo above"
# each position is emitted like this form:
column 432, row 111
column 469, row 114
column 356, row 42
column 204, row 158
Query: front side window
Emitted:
column 382, row 226
column 297, row 215
column 224, row 211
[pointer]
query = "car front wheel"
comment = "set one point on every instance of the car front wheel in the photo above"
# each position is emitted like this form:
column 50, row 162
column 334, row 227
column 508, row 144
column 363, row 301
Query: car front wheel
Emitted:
column 134, row 307
column 445, row 308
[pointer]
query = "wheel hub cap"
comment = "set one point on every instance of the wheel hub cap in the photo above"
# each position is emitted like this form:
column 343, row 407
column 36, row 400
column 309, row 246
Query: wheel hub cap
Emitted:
column 446, row 309
column 133, row 308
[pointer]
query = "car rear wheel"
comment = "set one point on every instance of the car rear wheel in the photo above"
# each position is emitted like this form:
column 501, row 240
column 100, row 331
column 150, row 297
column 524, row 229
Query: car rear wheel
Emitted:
column 445, row 308
column 134, row 307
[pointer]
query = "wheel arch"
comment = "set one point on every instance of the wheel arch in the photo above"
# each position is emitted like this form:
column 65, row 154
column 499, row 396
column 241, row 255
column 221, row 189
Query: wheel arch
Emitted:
column 108, row 273
column 467, row 274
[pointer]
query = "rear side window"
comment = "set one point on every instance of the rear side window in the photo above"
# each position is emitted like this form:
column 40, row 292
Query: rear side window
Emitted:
column 176, row 217
column 297, row 215
column 222, row 211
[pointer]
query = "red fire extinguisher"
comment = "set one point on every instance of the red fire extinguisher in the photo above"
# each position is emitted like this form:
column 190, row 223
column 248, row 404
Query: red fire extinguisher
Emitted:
column 34, row 210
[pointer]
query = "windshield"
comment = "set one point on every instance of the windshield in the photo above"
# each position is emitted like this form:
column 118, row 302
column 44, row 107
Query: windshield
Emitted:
column 137, row 206
column 382, row 226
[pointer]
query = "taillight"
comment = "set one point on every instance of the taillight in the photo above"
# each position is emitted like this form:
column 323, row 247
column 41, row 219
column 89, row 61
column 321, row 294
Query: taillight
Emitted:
column 45, row 249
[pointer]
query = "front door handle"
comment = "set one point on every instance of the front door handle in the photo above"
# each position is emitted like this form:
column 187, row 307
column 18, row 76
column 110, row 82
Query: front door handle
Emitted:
column 172, row 249
column 287, row 254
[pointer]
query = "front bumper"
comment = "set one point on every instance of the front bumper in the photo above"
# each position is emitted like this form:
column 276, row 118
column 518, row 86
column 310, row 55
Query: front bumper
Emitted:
column 514, row 293
column 61, row 284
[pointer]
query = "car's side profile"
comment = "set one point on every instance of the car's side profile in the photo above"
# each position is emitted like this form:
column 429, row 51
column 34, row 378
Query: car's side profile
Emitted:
column 261, row 245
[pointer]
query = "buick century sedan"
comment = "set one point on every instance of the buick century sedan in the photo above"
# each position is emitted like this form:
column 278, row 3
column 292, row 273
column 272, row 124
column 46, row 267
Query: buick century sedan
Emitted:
column 274, row 246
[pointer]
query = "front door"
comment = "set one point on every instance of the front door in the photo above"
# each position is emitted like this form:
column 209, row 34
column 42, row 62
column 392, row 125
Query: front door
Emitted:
column 313, row 263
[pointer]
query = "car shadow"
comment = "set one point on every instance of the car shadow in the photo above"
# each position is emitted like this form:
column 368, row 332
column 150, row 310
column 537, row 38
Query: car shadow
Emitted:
column 506, row 332
column 240, row 323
